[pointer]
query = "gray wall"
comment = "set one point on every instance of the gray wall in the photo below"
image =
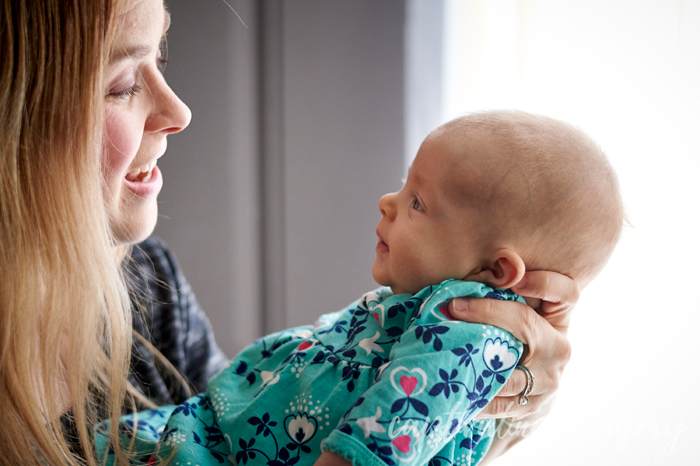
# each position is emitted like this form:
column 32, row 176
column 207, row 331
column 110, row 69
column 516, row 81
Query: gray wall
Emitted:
column 343, row 145
column 270, row 196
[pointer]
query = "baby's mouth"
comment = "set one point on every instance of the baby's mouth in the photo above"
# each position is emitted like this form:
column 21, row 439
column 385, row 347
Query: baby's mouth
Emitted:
column 143, row 174
column 382, row 247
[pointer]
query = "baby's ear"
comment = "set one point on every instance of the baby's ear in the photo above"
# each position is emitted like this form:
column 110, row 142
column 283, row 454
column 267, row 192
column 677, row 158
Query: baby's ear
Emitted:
column 504, row 270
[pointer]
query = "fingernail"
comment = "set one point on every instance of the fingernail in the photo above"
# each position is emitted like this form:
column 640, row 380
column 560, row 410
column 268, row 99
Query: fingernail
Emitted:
column 459, row 305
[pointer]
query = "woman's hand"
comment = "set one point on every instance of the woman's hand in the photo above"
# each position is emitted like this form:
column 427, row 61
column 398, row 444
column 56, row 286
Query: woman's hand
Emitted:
column 542, row 326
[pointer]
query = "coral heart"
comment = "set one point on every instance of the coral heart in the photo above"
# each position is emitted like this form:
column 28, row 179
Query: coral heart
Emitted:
column 445, row 310
column 376, row 317
column 403, row 443
column 303, row 345
column 408, row 384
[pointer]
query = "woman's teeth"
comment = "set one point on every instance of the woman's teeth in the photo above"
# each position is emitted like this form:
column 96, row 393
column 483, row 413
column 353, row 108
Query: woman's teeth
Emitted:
column 142, row 174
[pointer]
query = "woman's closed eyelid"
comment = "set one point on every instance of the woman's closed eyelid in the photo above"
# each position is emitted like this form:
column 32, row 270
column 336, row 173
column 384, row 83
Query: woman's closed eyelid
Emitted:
column 134, row 80
column 124, row 87
column 126, row 93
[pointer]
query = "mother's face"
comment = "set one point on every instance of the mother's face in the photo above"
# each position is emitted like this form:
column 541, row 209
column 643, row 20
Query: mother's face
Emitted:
column 141, row 110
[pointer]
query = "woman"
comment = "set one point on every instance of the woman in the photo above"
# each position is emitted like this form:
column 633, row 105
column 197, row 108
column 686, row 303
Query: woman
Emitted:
column 86, row 113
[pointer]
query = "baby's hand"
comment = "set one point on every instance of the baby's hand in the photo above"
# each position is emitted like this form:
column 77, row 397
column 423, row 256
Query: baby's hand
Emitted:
column 329, row 458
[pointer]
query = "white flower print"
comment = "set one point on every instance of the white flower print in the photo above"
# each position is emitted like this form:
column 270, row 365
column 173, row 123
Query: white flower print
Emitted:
column 370, row 424
column 369, row 344
column 300, row 428
column 499, row 356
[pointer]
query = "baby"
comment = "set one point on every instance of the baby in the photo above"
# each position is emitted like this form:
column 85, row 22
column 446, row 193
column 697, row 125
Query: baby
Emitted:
column 392, row 378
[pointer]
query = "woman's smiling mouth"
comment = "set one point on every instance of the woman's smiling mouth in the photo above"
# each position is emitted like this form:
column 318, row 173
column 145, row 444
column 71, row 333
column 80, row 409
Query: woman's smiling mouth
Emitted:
column 145, row 181
column 143, row 174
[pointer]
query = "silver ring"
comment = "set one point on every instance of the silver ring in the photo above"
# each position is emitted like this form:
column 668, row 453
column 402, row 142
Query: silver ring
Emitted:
column 529, row 385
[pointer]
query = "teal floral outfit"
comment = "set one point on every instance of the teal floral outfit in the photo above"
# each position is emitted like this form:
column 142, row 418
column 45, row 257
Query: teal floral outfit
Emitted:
column 391, row 379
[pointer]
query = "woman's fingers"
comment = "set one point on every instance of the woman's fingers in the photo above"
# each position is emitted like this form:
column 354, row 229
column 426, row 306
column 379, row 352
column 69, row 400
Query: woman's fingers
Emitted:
column 541, row 326
column 508, row 407
column 519, row 319
column 548, row 286
column 557, row 293
column 546, row 353
column 544, row 381
column 546, row 344
column 514, row 385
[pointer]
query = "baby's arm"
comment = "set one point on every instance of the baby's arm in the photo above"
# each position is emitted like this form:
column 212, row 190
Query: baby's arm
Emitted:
column 329, row 458
column 442, row 373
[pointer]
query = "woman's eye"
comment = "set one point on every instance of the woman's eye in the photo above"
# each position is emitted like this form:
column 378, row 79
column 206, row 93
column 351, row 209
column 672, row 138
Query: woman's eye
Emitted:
column 416, row 204
column 125, row 94
column 161, row 64
column 161, row 57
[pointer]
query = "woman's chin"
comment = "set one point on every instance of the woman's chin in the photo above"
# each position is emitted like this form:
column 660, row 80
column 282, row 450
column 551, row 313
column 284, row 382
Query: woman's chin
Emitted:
column 135, row 227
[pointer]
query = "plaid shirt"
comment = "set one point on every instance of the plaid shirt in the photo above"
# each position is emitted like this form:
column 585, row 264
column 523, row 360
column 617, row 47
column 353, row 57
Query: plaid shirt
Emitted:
column 167, row 314
column 173, row 322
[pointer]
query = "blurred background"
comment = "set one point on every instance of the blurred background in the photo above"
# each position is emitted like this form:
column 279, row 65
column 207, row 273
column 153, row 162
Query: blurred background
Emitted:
column 307, row 111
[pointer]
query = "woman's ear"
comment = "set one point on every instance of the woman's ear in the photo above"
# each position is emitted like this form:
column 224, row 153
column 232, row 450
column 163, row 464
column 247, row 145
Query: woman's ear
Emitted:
column 504, row 270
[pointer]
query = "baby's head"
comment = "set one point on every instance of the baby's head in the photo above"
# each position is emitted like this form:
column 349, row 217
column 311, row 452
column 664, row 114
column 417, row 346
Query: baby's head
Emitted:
column 493, row 194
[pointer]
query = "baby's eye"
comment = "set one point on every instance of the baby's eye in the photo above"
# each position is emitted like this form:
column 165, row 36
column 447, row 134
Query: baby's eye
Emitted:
column 416, row 204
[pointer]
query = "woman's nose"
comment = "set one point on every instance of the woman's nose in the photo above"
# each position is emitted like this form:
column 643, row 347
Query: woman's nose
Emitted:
column 387, row 205
column 170, row 114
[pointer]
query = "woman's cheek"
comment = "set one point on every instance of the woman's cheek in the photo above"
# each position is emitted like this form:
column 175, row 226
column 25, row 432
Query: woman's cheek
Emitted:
column 122, row 141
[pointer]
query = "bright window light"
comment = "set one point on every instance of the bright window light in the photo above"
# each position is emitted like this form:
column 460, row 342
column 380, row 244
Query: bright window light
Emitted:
column 628, row 73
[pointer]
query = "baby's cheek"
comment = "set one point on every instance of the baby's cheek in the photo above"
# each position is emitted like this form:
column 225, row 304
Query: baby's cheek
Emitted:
column 421, row 270
column 411, row 270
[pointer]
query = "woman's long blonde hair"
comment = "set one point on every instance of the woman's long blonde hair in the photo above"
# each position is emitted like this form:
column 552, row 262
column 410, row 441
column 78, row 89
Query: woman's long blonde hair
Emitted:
column 64, row 309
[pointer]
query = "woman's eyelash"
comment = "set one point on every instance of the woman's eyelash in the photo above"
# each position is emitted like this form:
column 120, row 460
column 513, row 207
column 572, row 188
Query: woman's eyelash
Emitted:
column 161, row 64
column 162, row 57
column 127, row 93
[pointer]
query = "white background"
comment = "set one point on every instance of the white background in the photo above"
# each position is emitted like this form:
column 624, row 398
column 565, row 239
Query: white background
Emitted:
column 628, row 73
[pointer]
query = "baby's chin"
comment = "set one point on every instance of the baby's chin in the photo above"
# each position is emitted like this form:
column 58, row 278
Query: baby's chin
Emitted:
column 413, row 288
column 379, row 277
column 395, row 289
column 398, row 289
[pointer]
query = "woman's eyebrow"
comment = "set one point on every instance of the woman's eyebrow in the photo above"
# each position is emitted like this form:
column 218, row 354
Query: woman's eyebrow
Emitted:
column 134, row 52
column 166, row 23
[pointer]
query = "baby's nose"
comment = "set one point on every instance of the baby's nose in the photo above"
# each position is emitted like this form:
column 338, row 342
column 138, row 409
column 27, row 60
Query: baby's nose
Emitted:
column 386, row 204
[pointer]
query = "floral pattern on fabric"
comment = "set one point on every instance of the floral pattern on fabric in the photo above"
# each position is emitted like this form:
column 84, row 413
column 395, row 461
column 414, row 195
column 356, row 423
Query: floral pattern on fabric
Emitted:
column 391, row 379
